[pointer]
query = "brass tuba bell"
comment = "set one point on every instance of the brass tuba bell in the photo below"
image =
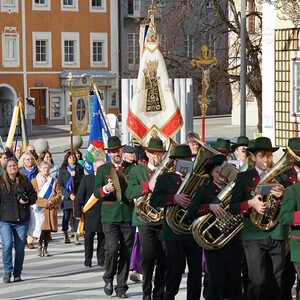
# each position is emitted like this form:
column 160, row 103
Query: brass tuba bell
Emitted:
column 176, row 215
column 145, row 212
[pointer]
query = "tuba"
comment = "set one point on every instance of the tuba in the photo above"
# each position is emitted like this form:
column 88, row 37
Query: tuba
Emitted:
column 212, row 233
column 269, row 219
column 146, row 213
column 176, row 216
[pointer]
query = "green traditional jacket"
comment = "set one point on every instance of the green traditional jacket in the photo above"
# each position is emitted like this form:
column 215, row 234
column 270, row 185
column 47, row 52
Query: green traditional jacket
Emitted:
column 204, row 195
column 138, row 186
column 165, row 189
column 113, row 210
column 290, row 215
column 243, row 191
column 288, row 177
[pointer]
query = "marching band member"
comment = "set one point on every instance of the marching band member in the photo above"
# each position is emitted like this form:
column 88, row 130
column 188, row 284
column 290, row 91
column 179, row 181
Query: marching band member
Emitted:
column 259, row 246
column 152, row 248
column 92, row 218
column 288, row 178
column 223, row 265
column 190, row 140
column 240, row 150
column 179, row 248
column 223, row 146
column 116, row 214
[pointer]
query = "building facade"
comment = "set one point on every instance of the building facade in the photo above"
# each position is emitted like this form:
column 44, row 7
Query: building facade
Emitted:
column 182, row 28
column 42, row 41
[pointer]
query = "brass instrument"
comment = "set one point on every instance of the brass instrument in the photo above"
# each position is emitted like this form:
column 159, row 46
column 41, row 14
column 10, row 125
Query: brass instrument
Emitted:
column 145, row 212
column 212, row 233
column 269, row 219
column 176, row 215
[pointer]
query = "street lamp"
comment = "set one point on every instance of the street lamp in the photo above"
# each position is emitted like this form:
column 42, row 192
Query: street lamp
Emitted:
column 204, row 62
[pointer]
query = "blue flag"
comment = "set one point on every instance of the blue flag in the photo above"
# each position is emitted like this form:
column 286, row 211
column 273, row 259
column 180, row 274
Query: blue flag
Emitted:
column 99, row 134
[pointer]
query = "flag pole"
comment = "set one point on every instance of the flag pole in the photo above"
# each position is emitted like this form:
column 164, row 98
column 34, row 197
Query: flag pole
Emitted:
column 70, row 80
column 95, row 87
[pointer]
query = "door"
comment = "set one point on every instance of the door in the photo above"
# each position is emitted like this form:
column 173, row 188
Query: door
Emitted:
column 40, row 106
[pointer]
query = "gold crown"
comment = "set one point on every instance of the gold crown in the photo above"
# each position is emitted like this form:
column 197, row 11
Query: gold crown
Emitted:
column 152, row 65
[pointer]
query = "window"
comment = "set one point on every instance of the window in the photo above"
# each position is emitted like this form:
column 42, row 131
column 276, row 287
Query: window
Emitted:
column 133, row 48
column 42, row 52
column 98, row 6
column 41, row 5
column 10, row 47
column 189, row 46
column 69, row 5
column 70, row 49
column 98, row 45
column 295, row 87
column 134, row 7
column 56, row 107
column 9, row 6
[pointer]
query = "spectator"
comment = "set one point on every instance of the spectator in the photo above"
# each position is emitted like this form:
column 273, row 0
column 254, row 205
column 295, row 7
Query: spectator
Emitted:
column 27, row 164
column 69, row 177
column 129, row 154
column 3, row 159
column 49, row 197
column 30, row 148
column 16, row 196
column 47, row 156
column 18, row 152
column 79, row 157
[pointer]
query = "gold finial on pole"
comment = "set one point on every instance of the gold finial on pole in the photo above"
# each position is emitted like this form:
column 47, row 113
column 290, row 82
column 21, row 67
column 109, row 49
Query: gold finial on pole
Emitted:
column 204, row 62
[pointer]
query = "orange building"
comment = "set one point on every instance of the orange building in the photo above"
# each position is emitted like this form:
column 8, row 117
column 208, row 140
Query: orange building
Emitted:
column 43, row 41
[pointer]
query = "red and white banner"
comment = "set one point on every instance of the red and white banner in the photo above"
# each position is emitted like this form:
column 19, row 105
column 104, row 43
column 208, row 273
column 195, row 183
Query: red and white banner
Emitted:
column 153, row 110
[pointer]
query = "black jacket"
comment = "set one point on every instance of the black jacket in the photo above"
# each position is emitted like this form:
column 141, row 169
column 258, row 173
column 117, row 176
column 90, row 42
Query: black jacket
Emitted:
column 11, row 210
column 63, row 177
column 92, row 218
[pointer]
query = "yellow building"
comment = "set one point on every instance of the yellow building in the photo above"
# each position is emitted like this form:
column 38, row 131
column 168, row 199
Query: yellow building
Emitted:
column 42, row 41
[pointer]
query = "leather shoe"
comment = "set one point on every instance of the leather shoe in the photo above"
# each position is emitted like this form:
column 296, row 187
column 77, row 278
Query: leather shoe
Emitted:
column 146, row 297
column 121, row 294
column 30, row 246
column 108, row 288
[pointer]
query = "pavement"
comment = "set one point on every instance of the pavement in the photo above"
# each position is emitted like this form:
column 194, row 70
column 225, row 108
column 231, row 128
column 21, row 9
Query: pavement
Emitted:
column 63, row 275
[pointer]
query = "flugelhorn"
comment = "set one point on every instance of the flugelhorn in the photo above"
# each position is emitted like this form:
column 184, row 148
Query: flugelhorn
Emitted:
column 145, row 212
column 269, row 219
column 176, row 216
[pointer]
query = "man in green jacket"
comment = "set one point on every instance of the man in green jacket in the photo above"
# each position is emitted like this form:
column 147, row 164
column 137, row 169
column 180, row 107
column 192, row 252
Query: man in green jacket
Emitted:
column 259, row 246
column 116, row 214
column 152, row 248
column 180, row 249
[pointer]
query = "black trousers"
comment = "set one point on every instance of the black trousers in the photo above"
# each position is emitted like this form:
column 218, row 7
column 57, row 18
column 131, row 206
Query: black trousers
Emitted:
column 178, row 252
column 89, row 247
column 257, row 253
column 288, row 277
column 152, row 251
column 224, row 272
column 118, row 244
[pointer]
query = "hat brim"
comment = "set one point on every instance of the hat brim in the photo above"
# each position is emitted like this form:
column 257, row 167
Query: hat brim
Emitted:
column 273, row 149
column 234, row 146
column 296, row 151
column 179, row 156
column 223, row 150
column 209, row 166
column 154, row 150
column 114, row 148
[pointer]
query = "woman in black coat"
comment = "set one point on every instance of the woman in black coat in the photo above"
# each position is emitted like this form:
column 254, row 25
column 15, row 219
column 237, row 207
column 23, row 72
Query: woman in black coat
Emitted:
column 92, row 220
column 16, row 196
column 69, row 177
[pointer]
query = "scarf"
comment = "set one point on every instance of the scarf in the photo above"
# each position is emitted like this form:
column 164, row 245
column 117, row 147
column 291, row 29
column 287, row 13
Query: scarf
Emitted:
column 30, row 174
column 69, row 186
column 46, row 187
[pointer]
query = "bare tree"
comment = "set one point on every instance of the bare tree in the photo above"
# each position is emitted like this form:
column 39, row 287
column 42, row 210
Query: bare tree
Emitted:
column 203, row 20
column 289, row 9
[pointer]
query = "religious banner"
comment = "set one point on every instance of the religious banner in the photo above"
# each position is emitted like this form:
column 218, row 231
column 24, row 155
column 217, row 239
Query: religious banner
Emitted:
column 80, row 113
column 153, row 110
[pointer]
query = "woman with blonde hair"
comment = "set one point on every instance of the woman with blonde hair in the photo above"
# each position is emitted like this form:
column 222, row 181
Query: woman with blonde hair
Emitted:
column 49, row 197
